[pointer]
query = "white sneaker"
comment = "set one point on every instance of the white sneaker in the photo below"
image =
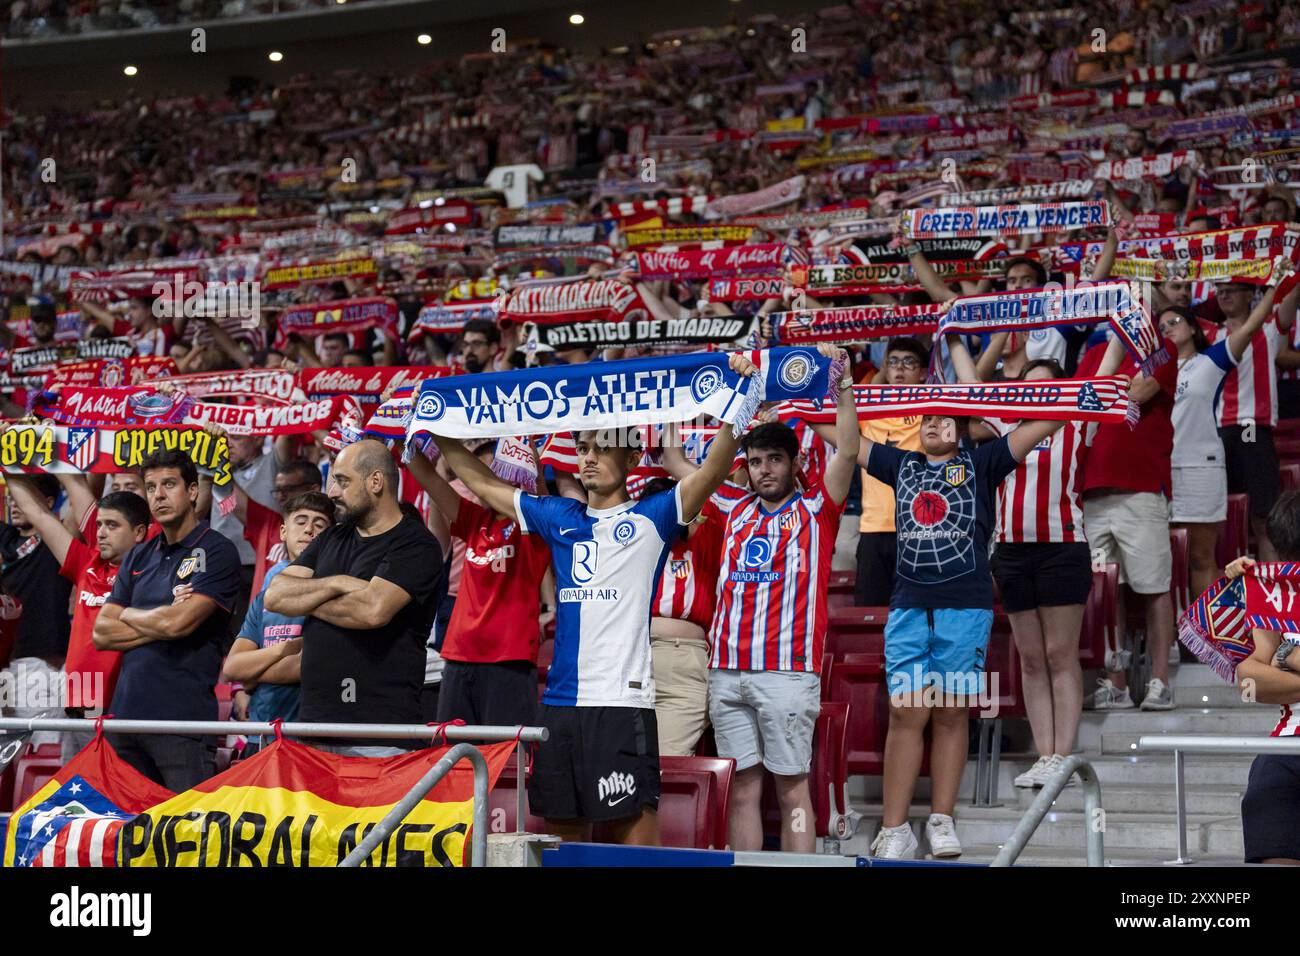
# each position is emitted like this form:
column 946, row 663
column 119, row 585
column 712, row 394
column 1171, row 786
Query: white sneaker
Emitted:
column 1117, row 661
column 941, row 834
column 1033, row 777
column 1109, row 697
column 1050, row 771
column 895, row 843
column 1160, row 696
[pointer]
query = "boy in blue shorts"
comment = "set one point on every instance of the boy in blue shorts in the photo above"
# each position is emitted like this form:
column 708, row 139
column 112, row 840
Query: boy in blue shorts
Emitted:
column 940, row 612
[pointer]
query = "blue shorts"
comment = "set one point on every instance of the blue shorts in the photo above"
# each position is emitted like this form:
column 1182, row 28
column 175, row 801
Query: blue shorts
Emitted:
column 944, row 646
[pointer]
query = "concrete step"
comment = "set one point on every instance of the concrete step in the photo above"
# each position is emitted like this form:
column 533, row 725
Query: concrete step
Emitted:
column 1206, row 833
column 1222, row 800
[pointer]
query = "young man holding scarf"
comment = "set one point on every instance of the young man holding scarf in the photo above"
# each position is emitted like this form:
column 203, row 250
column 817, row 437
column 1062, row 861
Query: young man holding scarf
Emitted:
column 940, row 613
column 769, row 626
column 601, row 763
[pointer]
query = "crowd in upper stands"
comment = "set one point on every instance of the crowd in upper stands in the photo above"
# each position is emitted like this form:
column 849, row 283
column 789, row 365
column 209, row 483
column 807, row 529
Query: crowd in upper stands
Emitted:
column 421, row 172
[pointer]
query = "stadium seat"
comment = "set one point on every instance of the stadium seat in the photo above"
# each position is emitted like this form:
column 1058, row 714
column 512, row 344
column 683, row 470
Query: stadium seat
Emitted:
column 1288, row 448
column 34, row 771
column 1002, row 660
column 1100, row 624
column 856, row 630
column 1234, row 537
column 692, row 805
column 1180, row 580
column 1291, row 476
column 859, row 681
column 723, row 770
column 840, row 591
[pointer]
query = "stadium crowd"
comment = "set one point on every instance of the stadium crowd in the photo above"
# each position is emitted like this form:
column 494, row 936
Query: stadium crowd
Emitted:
column 393, row 228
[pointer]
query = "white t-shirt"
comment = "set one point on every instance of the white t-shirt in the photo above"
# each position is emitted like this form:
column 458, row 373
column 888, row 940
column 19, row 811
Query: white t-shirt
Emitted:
column 1200, row 379
column 513, row 181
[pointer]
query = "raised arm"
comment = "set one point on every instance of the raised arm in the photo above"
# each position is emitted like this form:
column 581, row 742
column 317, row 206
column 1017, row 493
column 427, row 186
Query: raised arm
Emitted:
column 495, row 493
column 925, row 274
column 80, row 497
column 441, row 493
column 695, row 489
column 1272, row 685
column 988, row 360
column 848, row 436
column 962, row 363
column 47, row 524
column 1106, row 260
column 1027, row 435
column 1239, row 339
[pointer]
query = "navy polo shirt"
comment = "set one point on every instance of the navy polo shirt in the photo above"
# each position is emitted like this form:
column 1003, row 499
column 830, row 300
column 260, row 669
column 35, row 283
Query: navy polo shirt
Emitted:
column 174, row 680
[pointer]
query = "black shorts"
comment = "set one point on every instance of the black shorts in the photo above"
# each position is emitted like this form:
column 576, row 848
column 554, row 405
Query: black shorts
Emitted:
column 1269, row 809
column 877, row 561
column 1051, row 574
column 499, row 695
column 600, row 763
column 1253, row 468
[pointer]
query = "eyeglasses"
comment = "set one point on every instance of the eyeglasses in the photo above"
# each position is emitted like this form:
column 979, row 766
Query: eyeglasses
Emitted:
column 905, row 363
column 1169, row 323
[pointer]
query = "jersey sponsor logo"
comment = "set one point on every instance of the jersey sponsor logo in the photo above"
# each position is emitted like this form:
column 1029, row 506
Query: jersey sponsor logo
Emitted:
column 954, row 474
column 625, row 531
column 755, row 577
column 496, row 557
column 91, row 600
column 585, row 555
column 615, row 787
column 581, row 595
column 757, row 552
column 197, row 561
column 282, row 632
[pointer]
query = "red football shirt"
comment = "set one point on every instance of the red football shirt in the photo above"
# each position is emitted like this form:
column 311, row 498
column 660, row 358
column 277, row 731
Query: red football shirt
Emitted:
column 91, row 672
column 499, row 599
column 1134, row 459
column 688, row 587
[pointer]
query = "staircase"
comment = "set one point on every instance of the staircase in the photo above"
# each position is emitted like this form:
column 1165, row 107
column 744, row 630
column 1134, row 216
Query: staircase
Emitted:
column 1137, row 790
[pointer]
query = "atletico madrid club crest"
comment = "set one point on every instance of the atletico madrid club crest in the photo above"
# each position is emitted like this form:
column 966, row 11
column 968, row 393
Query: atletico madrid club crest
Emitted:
column 81, row 449
column 681, row 569
column 789, row 521
column 955, row 474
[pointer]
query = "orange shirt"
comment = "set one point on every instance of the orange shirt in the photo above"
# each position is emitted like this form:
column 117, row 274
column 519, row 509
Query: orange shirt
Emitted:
column 878, row 497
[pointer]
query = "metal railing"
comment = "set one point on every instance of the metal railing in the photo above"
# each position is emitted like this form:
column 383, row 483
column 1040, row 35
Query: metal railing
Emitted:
column 1092, row 811
column 403, row 807
column 1180, row 745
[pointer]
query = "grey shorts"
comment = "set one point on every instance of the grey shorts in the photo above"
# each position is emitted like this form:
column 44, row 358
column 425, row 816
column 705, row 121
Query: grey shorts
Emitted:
column 765, row 717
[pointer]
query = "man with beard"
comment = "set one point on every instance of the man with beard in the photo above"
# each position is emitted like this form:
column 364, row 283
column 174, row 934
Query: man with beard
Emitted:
column 367, row 587
column 480, row 347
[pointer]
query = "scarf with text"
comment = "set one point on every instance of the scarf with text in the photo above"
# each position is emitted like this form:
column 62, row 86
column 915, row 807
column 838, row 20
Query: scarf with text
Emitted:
column 678, row 234
column 43, row 358
column 1216, row 627
column 744, row 290
column 111, row 373
column 105, row 407
column 728, row 262
column 961, row 221
column 850, row 324
column 366, row 382
column 557, row 301
column 885, row 277
column 287, row 276
column 620, row 394
column 63, row 450
column 746, row 204
column 338, row 317
column 1144, row 167
column 1114, row 302
column 1029, row 192
column 270, row 385
column 1073, row 400
column 438, row 317
column 688, row 330
column 1253, row 271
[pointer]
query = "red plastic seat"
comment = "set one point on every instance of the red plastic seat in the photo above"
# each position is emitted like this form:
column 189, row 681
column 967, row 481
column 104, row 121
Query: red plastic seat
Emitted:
column 1092, row 635
column 841, row 588
column 1234, row 538
column 827, row 662
column 1180, row 579
column 829, row 775
column 723, row 770
column 34, row 771
column 1288, row 447
column 686, row 807
column 1291, row 476
column 856, row 630
column 859, row 681
column 1002, row 660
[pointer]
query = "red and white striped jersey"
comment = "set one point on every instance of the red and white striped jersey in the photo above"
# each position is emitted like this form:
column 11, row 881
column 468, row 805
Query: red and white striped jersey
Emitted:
column 1039, row 502
column 1293, row 339
column 688, row 587
column 1288, row 724
column 1250, row 390
column 772, row 586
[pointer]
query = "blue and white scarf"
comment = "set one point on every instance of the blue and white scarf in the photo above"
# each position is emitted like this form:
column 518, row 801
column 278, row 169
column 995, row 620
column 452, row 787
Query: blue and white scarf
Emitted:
column 622, row 394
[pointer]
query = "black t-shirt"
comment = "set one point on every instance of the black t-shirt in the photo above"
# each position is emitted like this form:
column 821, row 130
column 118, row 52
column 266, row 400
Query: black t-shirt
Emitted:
column 174, row 680
column 371, row 676
column 31, row 574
